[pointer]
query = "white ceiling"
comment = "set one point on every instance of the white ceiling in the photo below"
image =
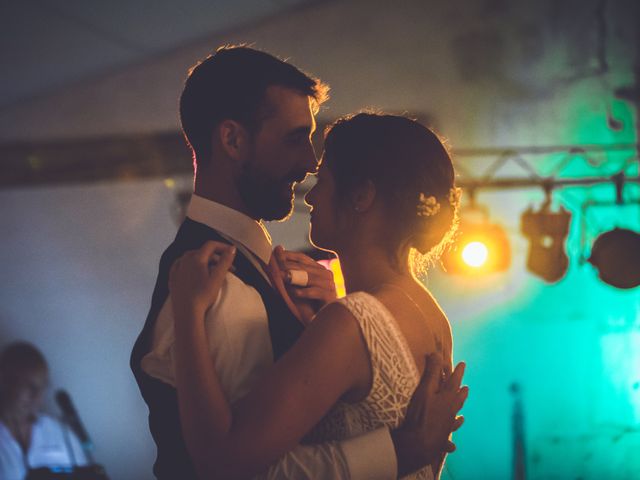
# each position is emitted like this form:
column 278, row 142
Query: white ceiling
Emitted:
column 48, row 44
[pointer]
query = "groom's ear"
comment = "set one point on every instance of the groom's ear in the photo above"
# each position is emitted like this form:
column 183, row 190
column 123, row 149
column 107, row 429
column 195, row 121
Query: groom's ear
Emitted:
column 363, row 196
column 233, row 138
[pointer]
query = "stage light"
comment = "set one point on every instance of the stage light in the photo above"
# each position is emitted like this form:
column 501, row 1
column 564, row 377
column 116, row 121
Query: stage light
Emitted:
column 616, row 255
column 547, row 232
column 475, row 254
column 481, row 246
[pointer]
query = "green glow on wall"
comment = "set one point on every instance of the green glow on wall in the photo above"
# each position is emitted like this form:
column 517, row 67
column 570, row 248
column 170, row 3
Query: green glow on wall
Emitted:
column 574, row 346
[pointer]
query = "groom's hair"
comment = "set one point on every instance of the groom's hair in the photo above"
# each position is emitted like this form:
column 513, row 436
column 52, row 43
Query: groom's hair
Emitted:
column 231, row 84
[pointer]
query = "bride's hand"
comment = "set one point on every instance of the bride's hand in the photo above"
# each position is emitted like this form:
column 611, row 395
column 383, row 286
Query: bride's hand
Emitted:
column 196, row 277
column 320, row 287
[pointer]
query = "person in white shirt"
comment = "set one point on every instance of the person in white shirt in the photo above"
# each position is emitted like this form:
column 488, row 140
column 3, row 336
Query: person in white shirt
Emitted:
column 248, row 118
column 30, row 439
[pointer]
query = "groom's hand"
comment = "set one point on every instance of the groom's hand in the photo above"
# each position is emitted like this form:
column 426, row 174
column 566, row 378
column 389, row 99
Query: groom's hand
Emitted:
column 424, row 437
column 320, row 287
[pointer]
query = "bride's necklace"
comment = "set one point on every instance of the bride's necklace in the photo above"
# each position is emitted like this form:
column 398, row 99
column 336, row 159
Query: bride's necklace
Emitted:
column 437, row 338
column 424, row 316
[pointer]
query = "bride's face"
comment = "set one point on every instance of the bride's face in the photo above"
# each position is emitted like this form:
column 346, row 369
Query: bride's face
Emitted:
column 321, row 199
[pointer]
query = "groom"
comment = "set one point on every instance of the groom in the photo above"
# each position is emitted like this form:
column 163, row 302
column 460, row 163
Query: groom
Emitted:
column 248, row 118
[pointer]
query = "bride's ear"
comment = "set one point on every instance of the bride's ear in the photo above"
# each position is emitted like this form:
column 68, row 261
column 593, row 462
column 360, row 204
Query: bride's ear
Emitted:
column 363, row 196
column 234, row 139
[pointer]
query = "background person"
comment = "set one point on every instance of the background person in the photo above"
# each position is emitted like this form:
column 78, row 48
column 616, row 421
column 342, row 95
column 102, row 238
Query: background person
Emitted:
column 29, row 438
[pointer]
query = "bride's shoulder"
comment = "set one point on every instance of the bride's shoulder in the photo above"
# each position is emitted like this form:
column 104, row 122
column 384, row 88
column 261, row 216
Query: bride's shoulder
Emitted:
column 347, row 312
column 358, row 303
column 358, row 298
column 337, row 324
column 337, row 314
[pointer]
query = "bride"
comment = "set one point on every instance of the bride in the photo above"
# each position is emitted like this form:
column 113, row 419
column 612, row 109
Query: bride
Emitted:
column 386, row 203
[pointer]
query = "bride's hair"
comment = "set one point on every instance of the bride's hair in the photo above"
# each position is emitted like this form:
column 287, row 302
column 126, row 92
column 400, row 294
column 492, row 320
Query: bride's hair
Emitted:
column 413, row 175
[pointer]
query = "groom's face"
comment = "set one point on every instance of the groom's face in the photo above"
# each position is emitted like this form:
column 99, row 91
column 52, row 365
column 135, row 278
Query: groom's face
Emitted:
column 281, row 155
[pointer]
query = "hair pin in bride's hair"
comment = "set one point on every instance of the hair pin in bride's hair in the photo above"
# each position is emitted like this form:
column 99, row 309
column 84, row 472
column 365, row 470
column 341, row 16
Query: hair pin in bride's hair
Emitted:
column 427, row 206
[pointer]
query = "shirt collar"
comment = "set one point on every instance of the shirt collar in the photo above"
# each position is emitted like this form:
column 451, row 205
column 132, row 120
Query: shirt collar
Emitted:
column 233, row 224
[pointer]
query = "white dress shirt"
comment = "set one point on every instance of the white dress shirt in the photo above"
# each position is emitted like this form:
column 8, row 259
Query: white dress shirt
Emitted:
column 238, row 335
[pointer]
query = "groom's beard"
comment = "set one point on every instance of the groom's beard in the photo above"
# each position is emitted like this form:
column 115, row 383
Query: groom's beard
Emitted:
column 267, row 197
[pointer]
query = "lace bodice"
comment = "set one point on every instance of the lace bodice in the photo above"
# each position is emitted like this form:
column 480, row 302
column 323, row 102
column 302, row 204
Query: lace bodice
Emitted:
column 395, row 377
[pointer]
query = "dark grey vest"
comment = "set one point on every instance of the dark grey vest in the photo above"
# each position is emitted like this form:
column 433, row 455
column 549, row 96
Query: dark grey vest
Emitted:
column 172, row 462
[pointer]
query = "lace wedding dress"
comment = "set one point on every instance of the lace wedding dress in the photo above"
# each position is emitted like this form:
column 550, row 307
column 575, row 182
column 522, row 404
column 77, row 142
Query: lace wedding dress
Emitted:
column 395, row 377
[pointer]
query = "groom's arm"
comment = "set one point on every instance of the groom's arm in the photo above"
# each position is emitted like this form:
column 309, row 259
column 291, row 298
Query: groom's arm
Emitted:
column 423, row 438
column 369, row 456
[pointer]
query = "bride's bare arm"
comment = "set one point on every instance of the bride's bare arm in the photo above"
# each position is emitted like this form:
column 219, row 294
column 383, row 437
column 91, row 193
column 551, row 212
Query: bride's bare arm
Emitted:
column 329, row 360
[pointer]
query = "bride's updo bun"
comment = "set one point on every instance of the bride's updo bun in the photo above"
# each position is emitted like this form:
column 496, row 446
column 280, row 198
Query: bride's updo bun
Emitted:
column 411, row 170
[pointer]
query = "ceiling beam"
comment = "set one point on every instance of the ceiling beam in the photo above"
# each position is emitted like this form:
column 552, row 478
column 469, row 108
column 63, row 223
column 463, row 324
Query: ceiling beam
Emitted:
column 94, row 160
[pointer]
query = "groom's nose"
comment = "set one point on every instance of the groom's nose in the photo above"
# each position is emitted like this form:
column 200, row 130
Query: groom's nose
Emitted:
column 310, row 160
